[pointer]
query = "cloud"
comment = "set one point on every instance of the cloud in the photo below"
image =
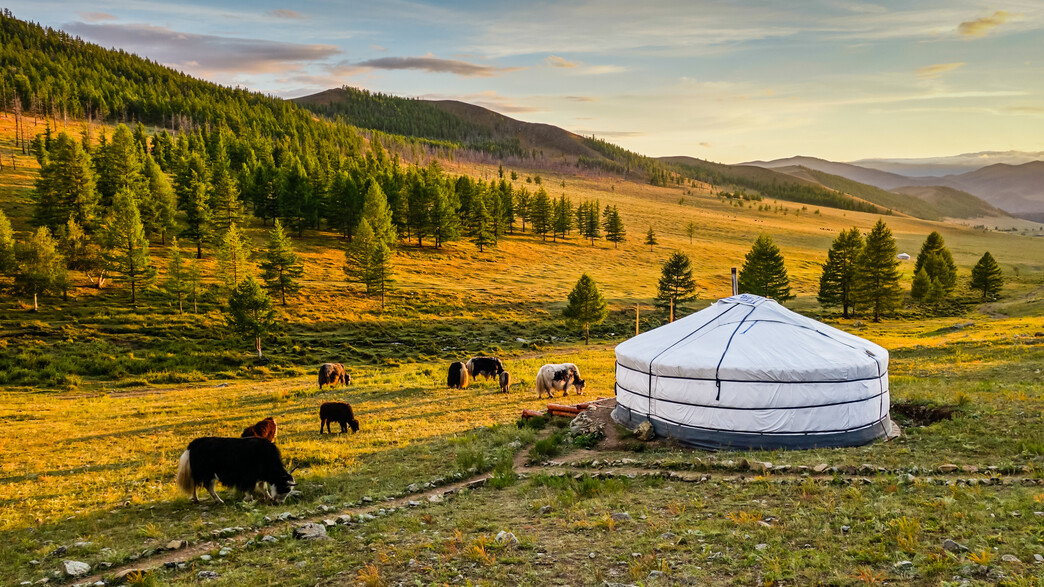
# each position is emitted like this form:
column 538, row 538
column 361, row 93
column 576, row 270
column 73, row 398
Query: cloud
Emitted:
column 609, row 133
column 435, row 65
column 378, row 48
column 556, row 61
column 204, row 54
column 286, row 14
column 601, row 69
column 705, row 144
column 934, row 71
column 581, row 98
column 980, row 26
column 97, row 16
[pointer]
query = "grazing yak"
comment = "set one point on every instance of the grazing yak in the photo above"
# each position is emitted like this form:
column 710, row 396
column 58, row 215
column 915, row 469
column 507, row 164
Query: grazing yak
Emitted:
column 458, row 376
column 505, row 381
column 264, row 429
column 332, row 374
column 339, row 412
column 558, row 377
column 484, row 366
column 240, row 463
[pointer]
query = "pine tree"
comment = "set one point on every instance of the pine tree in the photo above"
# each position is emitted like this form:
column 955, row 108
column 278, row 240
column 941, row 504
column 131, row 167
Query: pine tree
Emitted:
column 443, row 222
column 224, row 193
column 987, row 276
column 176, row 283
column 66, row 187
column 84, row 252
column 281, row 268
column 921, row 285
column 40, row 265
column 8, row 263
column 676, row 285
column 250, row 312
column 367, row 260
column 586, row 306
column 937, row 261
column 837, row 282
column 563, row 217
column 523, row 201
column 128, row 254
column 481, row 229
column 194, row 280
column 614, row 227
column 233, row 257
column 877, row 276
column 764, row 273
column 588, row 221
column 650, row 238
column 541, row 214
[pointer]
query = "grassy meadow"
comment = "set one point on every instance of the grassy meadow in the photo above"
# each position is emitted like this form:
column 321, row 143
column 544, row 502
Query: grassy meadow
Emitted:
column 98, row 399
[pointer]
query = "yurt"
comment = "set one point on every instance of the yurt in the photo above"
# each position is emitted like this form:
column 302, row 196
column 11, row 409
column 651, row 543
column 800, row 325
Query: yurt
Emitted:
column 746, row 373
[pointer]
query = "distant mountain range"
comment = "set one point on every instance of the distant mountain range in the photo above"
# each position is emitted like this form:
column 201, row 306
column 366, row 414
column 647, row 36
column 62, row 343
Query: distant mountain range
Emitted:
column 1015, row 188
column 952, row 165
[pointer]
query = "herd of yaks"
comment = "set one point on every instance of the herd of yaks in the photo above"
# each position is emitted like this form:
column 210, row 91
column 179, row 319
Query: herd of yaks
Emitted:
column 252, row 462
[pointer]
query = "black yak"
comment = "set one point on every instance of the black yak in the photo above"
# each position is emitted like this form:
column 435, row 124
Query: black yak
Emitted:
column 240, row 463
column 458, row 376
column 339, row 412
column 485, row 366
column 264, row 429
column 332, row 374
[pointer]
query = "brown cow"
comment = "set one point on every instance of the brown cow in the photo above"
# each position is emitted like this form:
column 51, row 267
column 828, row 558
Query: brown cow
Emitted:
column 264, row 429
column 332, row 374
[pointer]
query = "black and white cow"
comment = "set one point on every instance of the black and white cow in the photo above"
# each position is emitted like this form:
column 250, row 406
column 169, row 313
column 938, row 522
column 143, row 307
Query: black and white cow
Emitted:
column 558, row 377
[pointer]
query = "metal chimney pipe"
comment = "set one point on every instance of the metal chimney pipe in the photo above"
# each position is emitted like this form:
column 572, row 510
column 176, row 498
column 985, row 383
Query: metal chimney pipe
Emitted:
column 735, row 282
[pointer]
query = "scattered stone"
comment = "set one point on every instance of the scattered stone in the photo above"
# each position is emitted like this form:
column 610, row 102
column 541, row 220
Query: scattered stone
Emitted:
column 75, row 568
column 58, row 551
column 583, row 424
column 1039, row 559
column 222, row 385
column 367, row 499
column 761, row 546
column 820, row 468
column 207, row 575
column 904, row 565
column 310, row 531
column 176, row 545
column 1010, row 558
column 225, row 551
column 330, row 522
column 413, row 503
column 412, row 488
column 269, row 539
column 344, row 519
column 301, row 564
column 120, row 576
column 970, row 469
column 590, row 555
column 654, row 575
column 621, row 517
column 285, row 516
column 995, row 574
column 34, row 562
column 668, row 536
column 507, row 538
column 947, row 468
column 952, row 546
column 645, row 431
column 845, row 529
column 544, row 510
column 206, row 558
column 760, row 466
column 82, row 544
column 435, row 498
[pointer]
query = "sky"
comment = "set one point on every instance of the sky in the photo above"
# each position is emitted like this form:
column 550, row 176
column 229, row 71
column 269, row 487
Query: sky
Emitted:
column 727, row 80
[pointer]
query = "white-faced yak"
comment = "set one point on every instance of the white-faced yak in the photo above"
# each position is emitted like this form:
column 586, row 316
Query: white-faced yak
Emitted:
column 558, row 377
column 240, row 463
column 339, row 412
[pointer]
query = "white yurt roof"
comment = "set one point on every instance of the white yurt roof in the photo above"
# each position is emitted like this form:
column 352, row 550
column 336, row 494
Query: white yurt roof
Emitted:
column 747, row 372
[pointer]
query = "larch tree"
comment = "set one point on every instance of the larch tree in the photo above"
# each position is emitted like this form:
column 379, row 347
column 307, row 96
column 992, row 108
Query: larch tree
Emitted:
column 938, row 263
column 921, row 285
column 367, row 261
column 690, row 230
column 40, row 265
column 764, row 272
column 233, row 257
column 128, row 248
column 224, row 193
column 66, row 187
column 676, row 285
column 541, row 214
column 614, row 227
column 987, row 277
column 162, row 203
column 192, row 189
column 650, row 239
column 586, row 306
column 837, row 282
column 281, row 267
column 176, row 283
column 877, row 282
column 523, row 201
column 119, row 167
column 482, row 233
column 249, row 312
column 377, row 212
column 8, row 263
column 194, row 280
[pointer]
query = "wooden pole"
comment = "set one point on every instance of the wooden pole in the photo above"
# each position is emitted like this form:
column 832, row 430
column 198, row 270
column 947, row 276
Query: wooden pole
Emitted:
column 672, row 309
column 735, row 282
column 637, row 311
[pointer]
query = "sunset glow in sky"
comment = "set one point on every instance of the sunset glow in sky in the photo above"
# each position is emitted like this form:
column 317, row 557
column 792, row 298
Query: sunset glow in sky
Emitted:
column 727, row 81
